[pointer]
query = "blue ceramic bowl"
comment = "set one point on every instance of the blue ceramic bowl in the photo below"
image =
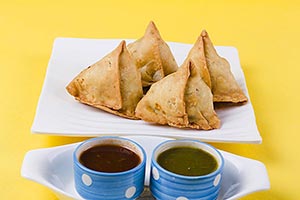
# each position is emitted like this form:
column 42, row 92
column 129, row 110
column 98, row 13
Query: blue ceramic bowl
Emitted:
column 168, row 185
column 91, row 184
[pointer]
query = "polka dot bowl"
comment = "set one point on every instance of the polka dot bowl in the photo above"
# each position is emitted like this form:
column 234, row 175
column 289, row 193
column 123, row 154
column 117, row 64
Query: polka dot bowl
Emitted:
column 168, row 185
column 91, row 184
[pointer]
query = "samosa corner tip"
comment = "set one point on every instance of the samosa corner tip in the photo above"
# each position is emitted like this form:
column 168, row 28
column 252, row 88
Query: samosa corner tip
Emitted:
column 199, row 41
column 204, row 33
column 152, row 24
column 152, row 28
column 122, row 44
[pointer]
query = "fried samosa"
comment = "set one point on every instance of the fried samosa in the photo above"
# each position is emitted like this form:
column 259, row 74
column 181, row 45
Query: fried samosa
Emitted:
column 198, row 95
column 197, row 56
column 152, row 56
column 181, row 99
column 112, row 84
column 223, row 84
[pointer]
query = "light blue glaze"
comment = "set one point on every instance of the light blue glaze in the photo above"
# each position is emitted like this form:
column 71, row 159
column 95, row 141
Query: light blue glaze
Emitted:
column 168, row 185
column 96, row 185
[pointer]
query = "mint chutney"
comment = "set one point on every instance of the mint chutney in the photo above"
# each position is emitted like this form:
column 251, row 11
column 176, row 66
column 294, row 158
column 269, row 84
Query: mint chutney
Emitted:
column 187, row 161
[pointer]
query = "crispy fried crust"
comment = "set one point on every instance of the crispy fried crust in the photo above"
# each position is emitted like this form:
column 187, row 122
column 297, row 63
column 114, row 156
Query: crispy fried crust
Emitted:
column 164, row 102
column 112, row 84
column 224, row 86
column 197, row 56
column 152, row 56
column 99, row 84
column 181, row 99
column 199, row 101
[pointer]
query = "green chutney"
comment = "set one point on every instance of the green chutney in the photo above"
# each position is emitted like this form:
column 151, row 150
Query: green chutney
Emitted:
column 187, row 161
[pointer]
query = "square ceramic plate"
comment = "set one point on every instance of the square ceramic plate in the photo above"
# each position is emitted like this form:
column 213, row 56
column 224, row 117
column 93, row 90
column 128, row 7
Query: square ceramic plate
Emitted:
column 58, row 113
column 53, row 168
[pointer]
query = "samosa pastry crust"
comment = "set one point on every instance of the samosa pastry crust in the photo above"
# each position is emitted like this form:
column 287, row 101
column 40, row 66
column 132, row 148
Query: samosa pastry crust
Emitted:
column 99, row 84
column 181, row 99
column 224, row 86
column 152, row 56
column 197, row 56
column 164, row 102
column 112, row 84
column 199, row 101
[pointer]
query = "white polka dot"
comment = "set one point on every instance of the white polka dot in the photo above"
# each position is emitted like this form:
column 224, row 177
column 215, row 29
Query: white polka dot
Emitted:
column 182, row 198
column 217, row 180
column 155, row 173
column 86, row 179
column 130, row 192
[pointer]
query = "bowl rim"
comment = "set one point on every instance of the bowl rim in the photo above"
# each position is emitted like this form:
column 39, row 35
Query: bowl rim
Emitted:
column 212, row 174
column 94, row 172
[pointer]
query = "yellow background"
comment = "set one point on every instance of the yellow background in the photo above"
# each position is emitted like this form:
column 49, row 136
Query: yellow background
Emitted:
column 266, row 33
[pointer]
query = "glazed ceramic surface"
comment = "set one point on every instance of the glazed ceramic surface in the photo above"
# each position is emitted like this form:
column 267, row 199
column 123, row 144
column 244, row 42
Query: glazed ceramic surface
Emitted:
column 91, row 184
column 165, row 184
column 53, row 168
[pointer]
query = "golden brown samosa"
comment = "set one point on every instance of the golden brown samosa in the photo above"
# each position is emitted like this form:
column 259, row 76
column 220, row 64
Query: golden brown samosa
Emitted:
column 199, row 101
column 112, row 84
column 223, row 84
column 164, row 102
column 152, row 56
column 181, row 99
column 197, row 56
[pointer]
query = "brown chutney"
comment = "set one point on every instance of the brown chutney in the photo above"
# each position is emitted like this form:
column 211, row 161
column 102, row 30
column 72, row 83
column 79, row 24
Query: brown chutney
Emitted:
column 109, row 158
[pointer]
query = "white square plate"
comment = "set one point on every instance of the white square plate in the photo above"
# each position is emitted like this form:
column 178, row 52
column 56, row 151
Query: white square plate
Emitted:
column 58, row 113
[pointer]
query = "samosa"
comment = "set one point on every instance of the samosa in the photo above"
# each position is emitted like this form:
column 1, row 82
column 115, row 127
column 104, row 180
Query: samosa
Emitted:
column 223, row 84
column 202, row 99
column 112, row 84
column 181, row 99
column 197, row 56
column 152, row 56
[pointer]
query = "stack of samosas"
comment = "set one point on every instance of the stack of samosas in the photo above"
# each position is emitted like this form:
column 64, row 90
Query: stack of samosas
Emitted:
column 143, row 81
